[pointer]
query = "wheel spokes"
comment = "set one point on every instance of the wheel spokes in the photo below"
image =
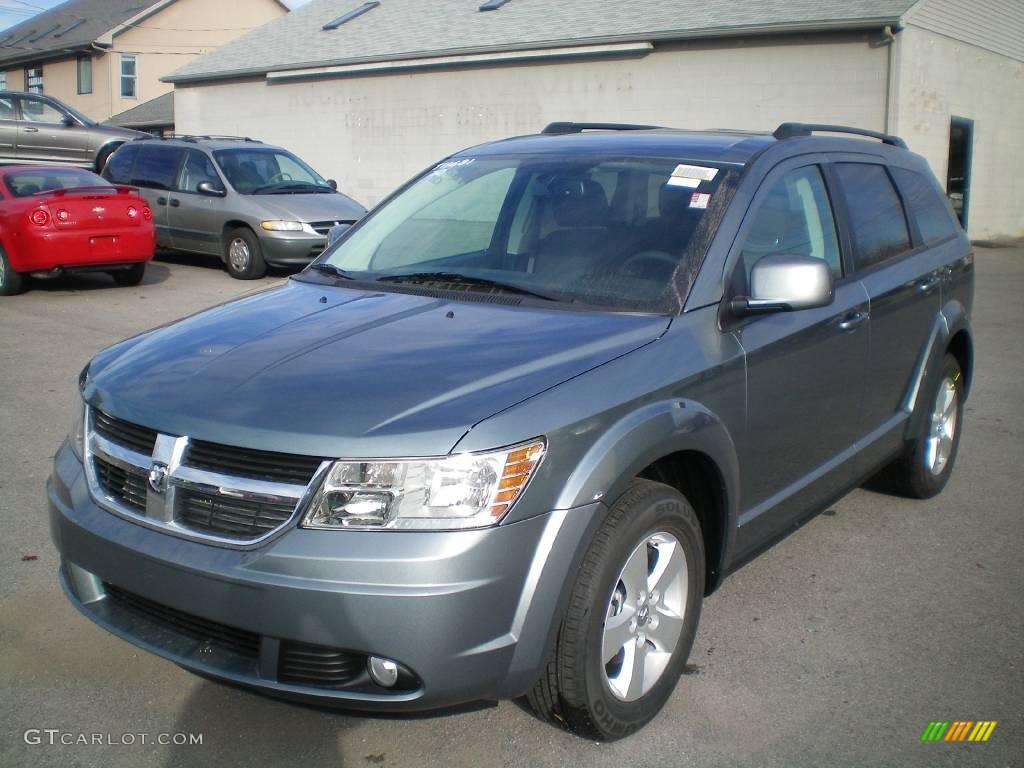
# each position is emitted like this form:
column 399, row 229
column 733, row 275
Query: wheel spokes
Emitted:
column 617, row 633
column 664, row 632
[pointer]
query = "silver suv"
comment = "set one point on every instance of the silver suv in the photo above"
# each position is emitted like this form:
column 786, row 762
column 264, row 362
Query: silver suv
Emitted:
column 251, row 204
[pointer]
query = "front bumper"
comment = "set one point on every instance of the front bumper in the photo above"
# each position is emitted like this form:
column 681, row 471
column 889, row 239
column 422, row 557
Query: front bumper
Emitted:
column 471, row 613
column 290, row 249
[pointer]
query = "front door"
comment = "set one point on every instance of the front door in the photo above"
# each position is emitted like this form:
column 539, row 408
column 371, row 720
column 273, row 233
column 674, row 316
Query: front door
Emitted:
column 196, row 220
column 49, row 135
column 806, row 369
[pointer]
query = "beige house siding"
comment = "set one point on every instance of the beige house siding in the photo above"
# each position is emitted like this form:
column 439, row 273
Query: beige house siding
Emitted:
column 373, row 133
column 939, row 78
column 161, row 43
column 992, row 25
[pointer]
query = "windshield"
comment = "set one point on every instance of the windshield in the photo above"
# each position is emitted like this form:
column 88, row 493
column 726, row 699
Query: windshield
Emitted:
column 619, row 233
column 25, row 183
column 253, row 171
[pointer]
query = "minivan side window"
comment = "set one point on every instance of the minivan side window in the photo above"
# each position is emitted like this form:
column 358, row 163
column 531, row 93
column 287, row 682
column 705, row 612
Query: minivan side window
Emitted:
column 929, row 207
column 119, row 166
column 877, row 220
column 795, row 217
column 156, row 167
column 196, row 169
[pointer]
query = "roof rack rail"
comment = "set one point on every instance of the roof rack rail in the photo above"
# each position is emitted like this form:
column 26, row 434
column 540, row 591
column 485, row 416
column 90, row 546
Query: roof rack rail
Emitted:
column 559, row 129
column 198, row 137
column 791, row 130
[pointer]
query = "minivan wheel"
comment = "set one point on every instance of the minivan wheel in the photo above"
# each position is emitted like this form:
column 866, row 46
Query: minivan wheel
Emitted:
column 631, row 619
column 243, row 255
column 924, row 468
column 11, row 282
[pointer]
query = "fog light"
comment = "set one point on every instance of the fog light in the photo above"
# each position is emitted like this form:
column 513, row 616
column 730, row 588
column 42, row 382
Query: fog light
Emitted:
column 383, row 671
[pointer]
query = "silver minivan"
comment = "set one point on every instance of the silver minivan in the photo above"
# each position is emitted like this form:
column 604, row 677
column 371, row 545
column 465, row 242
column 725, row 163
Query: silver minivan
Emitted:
column 251, row 204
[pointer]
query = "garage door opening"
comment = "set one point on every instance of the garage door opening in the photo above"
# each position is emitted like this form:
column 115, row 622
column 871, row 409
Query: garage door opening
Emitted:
column 958, row 173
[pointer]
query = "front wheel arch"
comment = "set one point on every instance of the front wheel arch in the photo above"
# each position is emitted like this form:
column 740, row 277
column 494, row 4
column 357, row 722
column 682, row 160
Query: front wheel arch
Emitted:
column 103, row 154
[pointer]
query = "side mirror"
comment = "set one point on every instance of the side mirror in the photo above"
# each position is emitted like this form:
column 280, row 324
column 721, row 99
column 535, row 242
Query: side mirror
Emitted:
column 69, row 121
column 332, row 184
column 781, row 282
column 210, row 188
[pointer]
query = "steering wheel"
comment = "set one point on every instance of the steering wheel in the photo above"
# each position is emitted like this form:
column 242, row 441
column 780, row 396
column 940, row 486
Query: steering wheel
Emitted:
column 654, row 257
column 281, row 176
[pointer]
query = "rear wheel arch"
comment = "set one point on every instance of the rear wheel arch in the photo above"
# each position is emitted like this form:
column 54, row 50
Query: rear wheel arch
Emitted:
column 961, row 346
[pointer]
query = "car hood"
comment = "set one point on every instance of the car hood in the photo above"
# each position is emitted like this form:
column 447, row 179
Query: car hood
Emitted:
column 327, row 371
column 319, row 206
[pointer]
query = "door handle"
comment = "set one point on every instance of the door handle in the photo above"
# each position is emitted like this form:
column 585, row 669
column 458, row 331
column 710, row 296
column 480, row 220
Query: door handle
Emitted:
column 161, row 201
column 853, row 321
column 175, row 203
column 927, row 284
column 31, row 130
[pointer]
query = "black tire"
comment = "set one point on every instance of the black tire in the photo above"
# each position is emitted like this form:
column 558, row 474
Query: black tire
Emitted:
column 131, row 276
column 575, row 689
column 914, row 474
column 103, row 156
column 252, row 266
column 11, row 283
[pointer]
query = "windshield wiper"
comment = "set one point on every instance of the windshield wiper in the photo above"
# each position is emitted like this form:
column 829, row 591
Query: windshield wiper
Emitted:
column 283, row 186
column 456, row 277
column 330, row 269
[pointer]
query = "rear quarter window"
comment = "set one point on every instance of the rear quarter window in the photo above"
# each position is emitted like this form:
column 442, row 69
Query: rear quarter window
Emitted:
column 877, row 221
column 119, row 166
column 927, row 205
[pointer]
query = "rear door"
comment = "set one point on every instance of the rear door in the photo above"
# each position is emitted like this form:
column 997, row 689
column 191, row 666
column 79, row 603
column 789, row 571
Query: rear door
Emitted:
column 47, row 134
column 8, row 129
column 196, row 220
column 805, row 369
column 155, row 173
column 903, row 281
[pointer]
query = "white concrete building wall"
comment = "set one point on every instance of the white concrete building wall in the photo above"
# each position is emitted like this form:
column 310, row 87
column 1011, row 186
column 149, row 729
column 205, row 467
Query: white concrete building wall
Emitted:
column 939, row 77
column 372, row 133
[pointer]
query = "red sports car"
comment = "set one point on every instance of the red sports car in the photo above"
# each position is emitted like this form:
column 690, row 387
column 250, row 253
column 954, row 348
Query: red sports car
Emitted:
column 55, row 220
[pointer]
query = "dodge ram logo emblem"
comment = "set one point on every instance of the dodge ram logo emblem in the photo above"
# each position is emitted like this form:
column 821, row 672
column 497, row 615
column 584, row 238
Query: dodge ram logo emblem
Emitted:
column 158, row 478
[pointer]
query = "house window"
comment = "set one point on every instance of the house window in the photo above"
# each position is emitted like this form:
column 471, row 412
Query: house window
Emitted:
column 128, row 76
column 3, row 81
column 34, row 79
column 85, row 74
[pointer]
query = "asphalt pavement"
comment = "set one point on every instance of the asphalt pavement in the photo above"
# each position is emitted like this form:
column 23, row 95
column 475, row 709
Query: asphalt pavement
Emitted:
column 835, row 648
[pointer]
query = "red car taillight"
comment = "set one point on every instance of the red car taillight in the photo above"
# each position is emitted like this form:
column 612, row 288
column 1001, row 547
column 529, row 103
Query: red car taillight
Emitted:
column 63, row 216
column 132, row 211
column 146, row 213
column 39, row 217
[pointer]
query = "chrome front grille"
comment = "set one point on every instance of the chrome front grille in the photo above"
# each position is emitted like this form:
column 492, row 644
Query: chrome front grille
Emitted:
column 323, row 227
column 195, row 489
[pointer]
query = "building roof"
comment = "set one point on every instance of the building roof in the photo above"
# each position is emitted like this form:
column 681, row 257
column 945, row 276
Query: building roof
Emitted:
column 69, row 27
column 155, row 113
column 405, row 29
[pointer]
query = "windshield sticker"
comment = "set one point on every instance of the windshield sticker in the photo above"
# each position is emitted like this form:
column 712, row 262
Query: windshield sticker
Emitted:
column 681, row 181
column 700, row 200
column 448, row 165
column 699, row 172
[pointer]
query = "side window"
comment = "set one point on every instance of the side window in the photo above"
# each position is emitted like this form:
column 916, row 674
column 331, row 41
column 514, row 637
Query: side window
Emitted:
column 156, row 167
column 795, row 217
column 197, row 168
column 7, row 109
column 119, row 166
column 877, row 221
column 40, row 112
column 929, row 207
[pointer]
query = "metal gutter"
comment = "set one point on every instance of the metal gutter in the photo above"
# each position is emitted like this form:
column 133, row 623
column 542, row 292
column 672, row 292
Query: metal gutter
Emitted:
column 845, row 25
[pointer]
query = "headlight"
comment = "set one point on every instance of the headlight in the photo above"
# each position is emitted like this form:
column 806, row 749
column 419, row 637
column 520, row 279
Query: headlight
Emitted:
column 76, row 435
column 470, row 490
column 282, row 226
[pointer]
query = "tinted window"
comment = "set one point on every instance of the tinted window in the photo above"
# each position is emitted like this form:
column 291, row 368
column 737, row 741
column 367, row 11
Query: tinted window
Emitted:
column 929, row 207
column 119, row 166
column 25, row 183
column 795, row 217
column 196, row 169
column 877, row 221
column 7, row 109
column 156, row 167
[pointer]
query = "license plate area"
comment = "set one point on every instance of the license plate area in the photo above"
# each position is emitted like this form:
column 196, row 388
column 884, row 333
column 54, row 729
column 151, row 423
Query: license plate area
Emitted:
column 105, row 246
